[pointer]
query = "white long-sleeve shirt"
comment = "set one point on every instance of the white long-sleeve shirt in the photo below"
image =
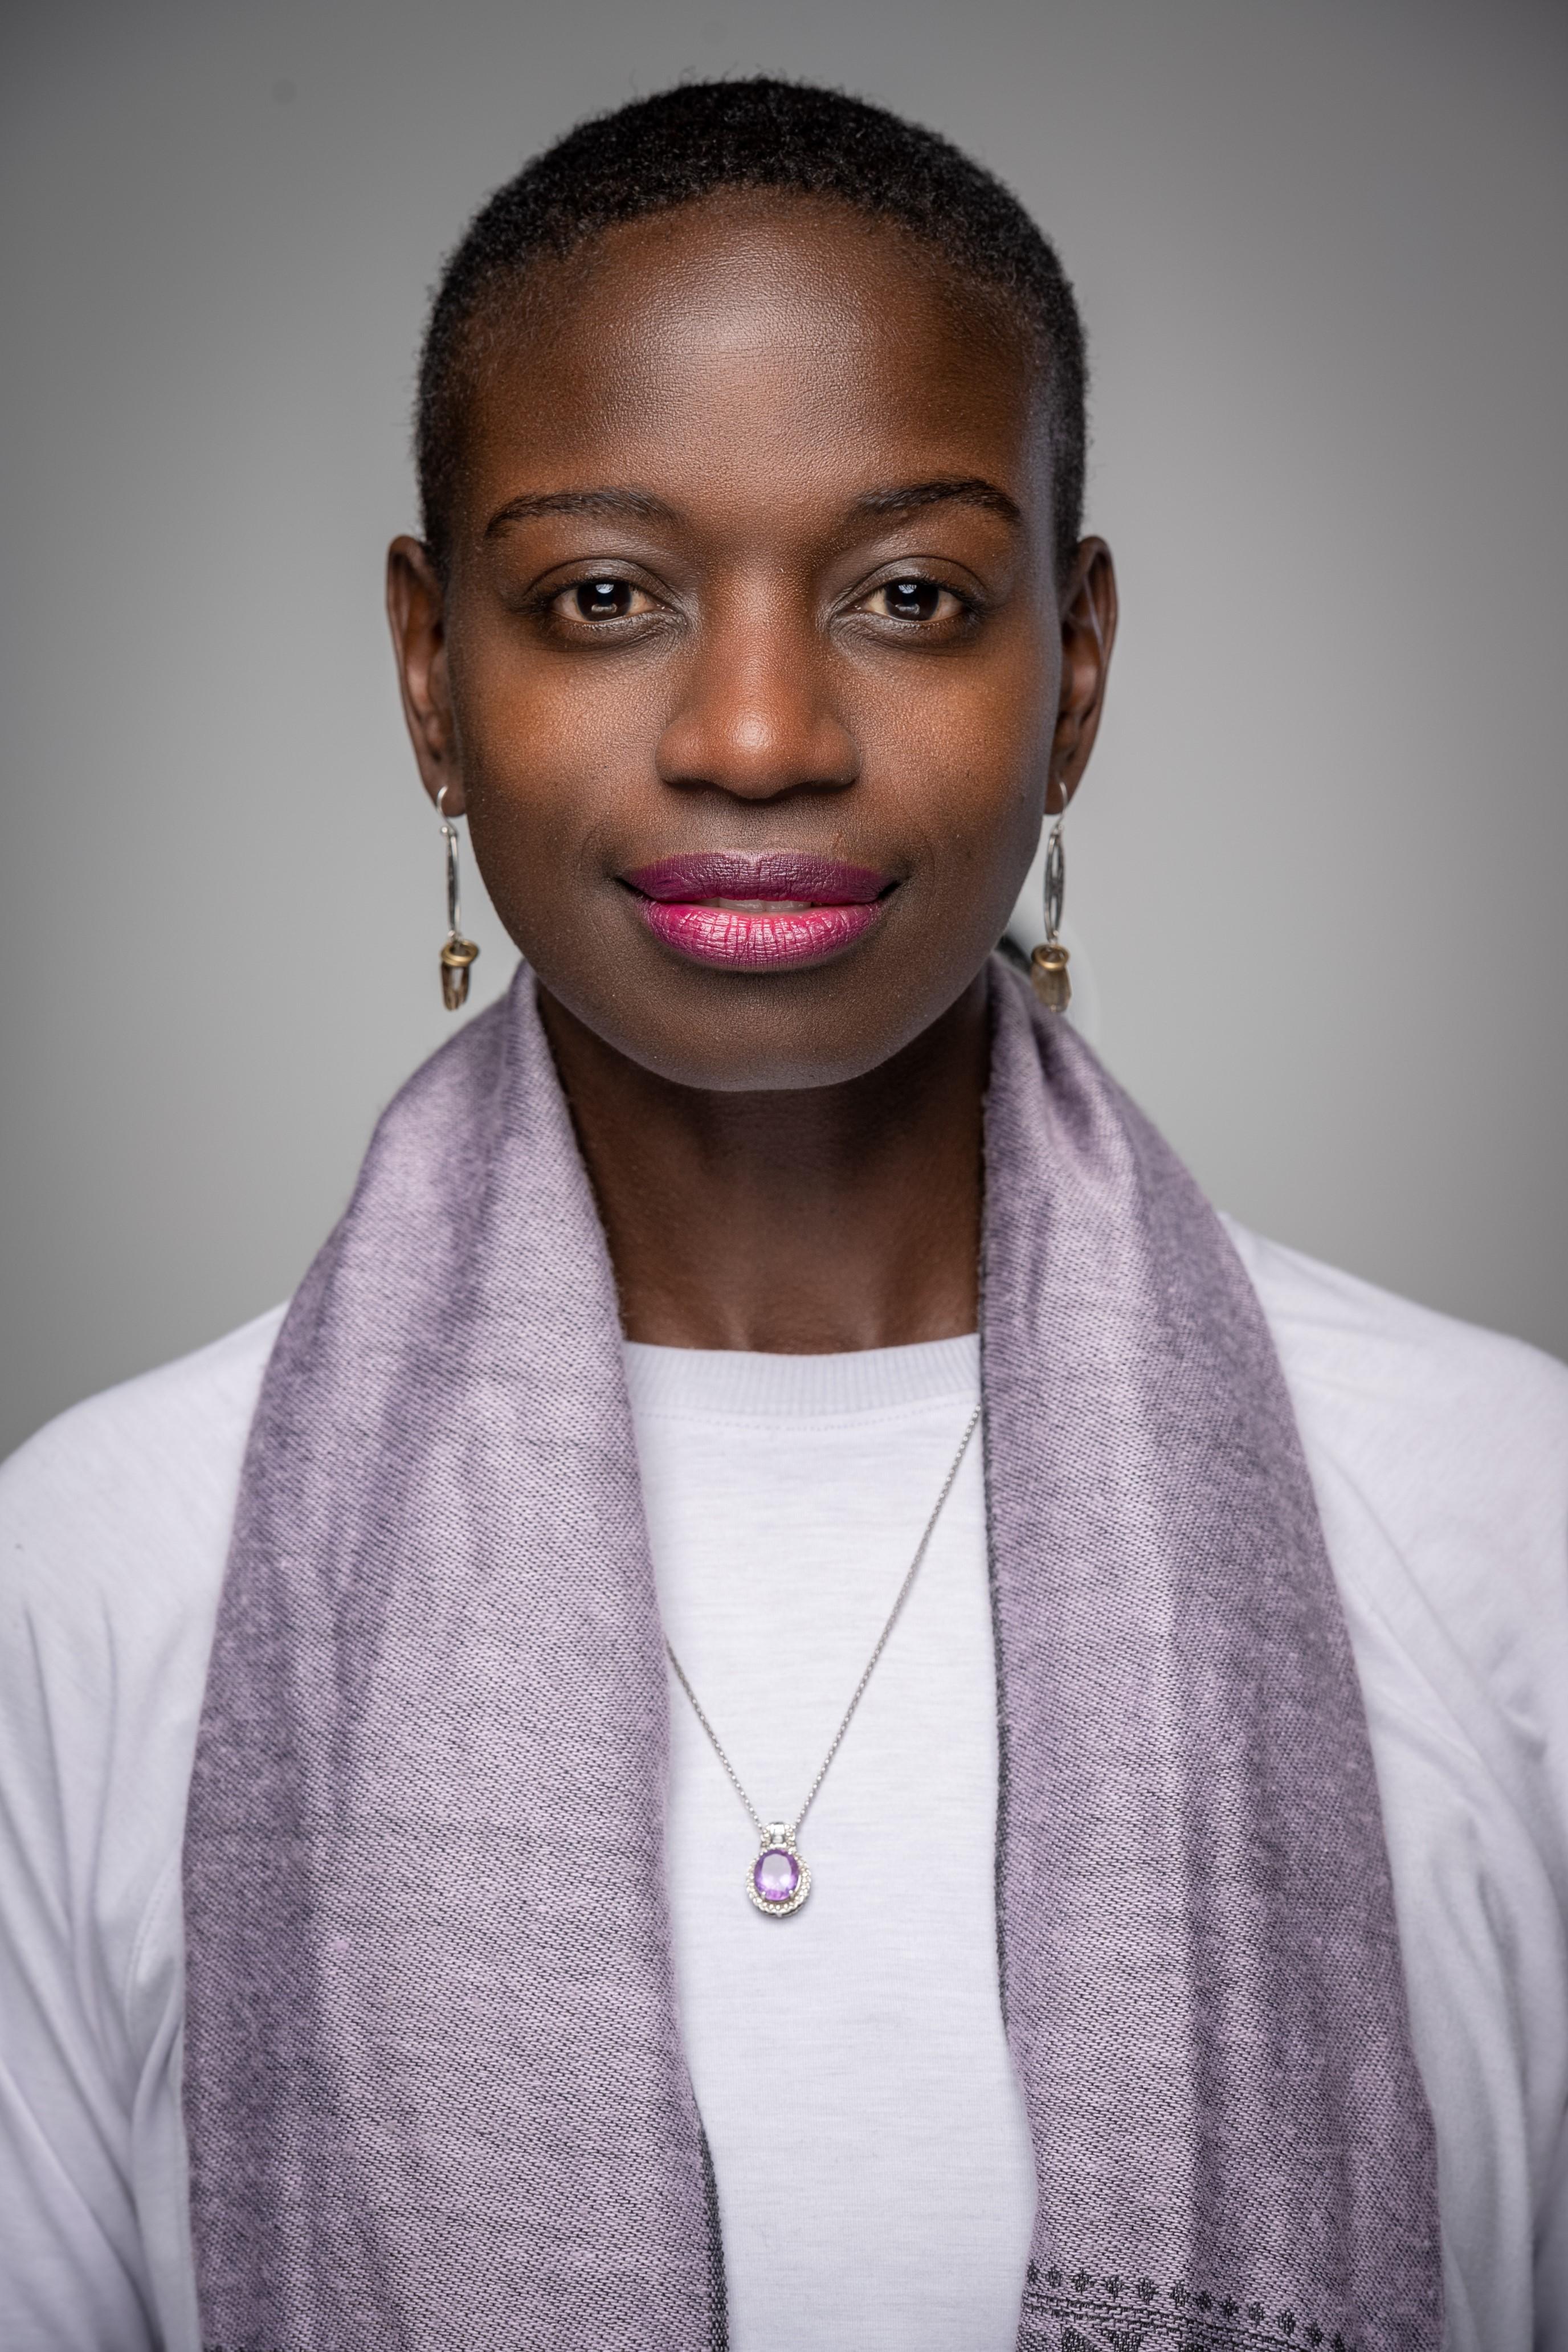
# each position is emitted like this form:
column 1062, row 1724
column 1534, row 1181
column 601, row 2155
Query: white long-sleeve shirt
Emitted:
column 893, row 2185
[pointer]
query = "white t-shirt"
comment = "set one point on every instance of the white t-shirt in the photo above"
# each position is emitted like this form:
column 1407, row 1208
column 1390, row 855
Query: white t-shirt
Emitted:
column 866, row 2129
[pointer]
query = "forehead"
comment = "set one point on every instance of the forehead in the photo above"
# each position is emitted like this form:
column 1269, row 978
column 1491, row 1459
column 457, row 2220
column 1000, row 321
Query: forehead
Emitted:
column 789, row 345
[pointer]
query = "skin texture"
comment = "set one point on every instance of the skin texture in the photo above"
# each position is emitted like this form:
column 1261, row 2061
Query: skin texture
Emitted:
column 719, row 404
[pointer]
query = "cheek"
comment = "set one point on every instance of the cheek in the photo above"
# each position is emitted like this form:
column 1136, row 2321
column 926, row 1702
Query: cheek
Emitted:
column 963, row 755
column 552, row 752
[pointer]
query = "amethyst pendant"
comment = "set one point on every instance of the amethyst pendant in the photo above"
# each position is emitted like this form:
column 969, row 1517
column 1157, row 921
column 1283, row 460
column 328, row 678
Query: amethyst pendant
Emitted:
column 778, row 1881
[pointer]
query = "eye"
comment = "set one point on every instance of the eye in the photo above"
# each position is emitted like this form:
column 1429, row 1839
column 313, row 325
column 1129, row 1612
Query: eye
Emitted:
column 913, row 599
column 603, row 600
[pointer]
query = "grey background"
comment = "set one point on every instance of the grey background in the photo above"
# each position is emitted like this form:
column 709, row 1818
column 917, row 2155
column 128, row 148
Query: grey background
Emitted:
column 1318, row 872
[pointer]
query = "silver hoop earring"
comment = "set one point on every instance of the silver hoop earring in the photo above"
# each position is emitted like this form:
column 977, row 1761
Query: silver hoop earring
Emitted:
column 1048, row 964
column 458, row 954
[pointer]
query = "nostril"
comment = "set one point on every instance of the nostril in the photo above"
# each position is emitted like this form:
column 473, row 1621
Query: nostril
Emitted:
column 756, row 748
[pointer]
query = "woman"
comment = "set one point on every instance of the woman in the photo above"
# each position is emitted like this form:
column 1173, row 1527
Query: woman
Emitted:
column 767, row 1368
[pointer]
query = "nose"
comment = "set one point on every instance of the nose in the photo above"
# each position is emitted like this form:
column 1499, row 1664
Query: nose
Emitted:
column 755, row 718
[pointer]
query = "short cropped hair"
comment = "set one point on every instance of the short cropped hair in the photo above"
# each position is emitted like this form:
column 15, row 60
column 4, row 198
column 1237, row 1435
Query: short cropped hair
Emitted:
column 693, row 142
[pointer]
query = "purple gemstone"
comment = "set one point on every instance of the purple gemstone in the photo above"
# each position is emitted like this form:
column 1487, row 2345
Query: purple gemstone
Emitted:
column 775, row 1875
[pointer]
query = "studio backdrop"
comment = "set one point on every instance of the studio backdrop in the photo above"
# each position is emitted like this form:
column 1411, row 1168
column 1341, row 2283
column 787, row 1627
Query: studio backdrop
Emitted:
column 1319, row 869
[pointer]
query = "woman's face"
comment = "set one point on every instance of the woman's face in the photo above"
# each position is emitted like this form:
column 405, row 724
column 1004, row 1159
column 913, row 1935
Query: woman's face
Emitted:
column 750, row 671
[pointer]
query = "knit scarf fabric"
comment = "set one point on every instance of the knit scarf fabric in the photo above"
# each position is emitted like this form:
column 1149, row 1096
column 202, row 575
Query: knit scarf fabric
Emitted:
column 435, row 2088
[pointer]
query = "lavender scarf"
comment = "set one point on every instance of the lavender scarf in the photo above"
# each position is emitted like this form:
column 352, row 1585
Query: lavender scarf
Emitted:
column 435, row 2087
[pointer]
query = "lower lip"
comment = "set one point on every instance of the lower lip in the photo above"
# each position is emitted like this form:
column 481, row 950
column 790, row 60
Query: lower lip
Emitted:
column 748, row 942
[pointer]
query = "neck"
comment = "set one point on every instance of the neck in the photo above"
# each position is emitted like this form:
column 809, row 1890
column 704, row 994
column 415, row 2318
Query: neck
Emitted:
column 806, row 1222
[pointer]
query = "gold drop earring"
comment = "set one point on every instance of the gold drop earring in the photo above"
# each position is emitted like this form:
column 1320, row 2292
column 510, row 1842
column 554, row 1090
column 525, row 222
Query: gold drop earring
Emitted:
column 1048, row 964
column 458, row 954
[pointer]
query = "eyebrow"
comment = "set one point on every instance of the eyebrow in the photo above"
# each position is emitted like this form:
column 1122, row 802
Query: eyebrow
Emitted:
column 640, row 504
column 901, row 498
column 960, row 489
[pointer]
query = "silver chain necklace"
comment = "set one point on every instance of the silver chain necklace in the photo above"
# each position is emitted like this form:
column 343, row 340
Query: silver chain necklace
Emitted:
column 779, row 1880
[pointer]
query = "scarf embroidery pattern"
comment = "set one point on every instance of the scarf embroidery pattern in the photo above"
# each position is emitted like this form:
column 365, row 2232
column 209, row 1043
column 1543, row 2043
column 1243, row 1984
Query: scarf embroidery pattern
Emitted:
column 1093, row 2313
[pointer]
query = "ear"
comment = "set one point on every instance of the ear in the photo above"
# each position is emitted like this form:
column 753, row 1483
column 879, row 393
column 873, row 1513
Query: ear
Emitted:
column 417, row 608
column 1088, row 606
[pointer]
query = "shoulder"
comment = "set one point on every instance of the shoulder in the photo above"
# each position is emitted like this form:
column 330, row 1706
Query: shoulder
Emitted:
column 115, row 1528
column 1441, row 1423
column 1439, row 1457
column 128, row 1495
column 1439, row 1454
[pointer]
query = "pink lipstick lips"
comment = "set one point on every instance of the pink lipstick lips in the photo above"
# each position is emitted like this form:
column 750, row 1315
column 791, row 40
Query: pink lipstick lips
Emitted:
column 784, row 907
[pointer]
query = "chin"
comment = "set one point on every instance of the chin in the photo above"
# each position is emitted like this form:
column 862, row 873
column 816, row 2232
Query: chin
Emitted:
column 760, row 1034
column 748, row 1056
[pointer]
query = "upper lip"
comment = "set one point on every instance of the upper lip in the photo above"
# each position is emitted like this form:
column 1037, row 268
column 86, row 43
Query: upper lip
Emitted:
column 793, row 875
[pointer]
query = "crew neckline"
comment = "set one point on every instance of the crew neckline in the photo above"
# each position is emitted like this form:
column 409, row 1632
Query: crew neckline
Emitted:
column 733, row 1381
